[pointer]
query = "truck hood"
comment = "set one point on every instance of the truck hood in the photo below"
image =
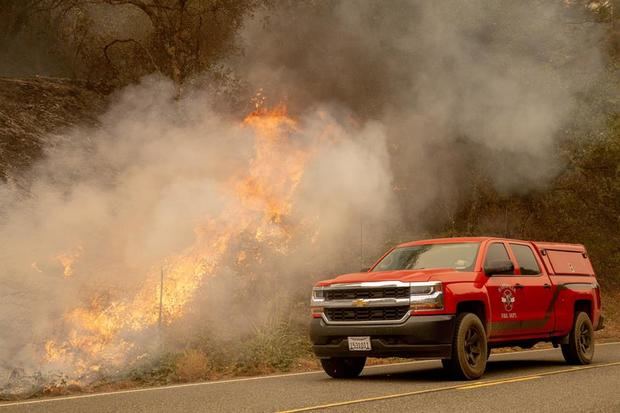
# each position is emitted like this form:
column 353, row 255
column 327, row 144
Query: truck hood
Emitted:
column 399, row 275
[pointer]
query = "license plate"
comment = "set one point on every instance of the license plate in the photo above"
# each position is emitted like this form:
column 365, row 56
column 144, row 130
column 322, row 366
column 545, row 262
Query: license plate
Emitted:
column 359, row 344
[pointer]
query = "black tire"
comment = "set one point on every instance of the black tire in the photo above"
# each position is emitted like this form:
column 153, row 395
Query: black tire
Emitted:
column 343, row 367
column 580, row 347
column 469, row 348
column 446, row 362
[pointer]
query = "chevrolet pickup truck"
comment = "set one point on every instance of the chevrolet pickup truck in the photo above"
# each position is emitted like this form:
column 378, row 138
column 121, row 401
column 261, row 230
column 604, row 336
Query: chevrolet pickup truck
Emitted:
column 455, row 299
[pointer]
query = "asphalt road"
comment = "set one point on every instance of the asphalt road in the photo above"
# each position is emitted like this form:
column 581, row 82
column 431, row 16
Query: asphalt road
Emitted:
column 529, row 381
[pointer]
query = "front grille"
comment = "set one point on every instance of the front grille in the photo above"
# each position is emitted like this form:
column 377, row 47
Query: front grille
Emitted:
column 366, row 314
column 353, row 293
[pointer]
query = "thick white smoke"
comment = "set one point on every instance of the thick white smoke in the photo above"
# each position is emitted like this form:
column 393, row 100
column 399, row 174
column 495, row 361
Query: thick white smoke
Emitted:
column 457, row 85
column 114, row 202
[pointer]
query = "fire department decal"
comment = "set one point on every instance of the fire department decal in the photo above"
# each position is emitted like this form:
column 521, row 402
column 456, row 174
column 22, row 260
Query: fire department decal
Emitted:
column 507, row 296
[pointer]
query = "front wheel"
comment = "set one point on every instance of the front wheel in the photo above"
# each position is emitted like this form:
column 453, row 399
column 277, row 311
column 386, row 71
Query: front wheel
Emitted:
column 469, row 348
column 580, row 347
column 446, row 362
column 343, row 367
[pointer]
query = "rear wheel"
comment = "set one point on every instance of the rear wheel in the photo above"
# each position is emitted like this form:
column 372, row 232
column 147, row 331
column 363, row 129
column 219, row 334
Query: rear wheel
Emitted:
column 580, row 347
column 469, row 348
column 343, row 367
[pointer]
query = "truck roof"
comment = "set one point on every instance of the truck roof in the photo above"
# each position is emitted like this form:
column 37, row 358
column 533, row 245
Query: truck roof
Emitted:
column 539, row 244
column 559, row 246
column 445, row 240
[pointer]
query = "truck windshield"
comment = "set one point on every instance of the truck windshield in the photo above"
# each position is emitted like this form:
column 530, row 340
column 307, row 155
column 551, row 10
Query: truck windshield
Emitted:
column 459, row 256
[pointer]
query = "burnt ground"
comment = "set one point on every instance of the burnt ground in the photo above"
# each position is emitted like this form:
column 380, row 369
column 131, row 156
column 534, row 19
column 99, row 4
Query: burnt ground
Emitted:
column 32, row 110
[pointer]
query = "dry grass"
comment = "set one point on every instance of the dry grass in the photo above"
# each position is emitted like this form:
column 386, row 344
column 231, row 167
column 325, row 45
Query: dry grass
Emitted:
column 192, row 365
column 33, row 109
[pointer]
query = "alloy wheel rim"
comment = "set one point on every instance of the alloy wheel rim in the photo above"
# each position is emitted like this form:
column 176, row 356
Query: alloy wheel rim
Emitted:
column 584, row 339
column 473, row 348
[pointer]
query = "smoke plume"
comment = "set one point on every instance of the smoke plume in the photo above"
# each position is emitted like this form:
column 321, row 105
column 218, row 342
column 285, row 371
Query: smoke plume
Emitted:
column 172, row 185
column 457, row 85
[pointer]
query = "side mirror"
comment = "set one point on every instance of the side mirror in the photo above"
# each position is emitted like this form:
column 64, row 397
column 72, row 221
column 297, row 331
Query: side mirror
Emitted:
column 365, row 269
column 500, row 267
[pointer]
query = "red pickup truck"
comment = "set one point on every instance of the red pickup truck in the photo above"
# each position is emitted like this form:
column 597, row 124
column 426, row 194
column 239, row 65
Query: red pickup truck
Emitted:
column 456, row 299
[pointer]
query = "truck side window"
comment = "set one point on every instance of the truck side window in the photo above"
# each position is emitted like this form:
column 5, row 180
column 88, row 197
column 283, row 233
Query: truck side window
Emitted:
column 496, row 252
column 525, row 259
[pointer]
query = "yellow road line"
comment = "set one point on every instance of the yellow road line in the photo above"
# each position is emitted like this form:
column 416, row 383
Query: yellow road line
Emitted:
column 476, row 386
column 454, row 387
column 370, row 399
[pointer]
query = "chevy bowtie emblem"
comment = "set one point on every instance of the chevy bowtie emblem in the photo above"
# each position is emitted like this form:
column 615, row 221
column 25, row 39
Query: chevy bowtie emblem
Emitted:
column 360, row 303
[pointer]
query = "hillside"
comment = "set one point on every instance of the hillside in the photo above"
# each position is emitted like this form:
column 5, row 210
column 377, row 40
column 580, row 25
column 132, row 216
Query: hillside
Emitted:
column 33, row 109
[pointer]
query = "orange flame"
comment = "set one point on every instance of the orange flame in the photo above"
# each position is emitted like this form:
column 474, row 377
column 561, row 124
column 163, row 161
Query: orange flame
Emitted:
column 94, row 332
column 67, row 260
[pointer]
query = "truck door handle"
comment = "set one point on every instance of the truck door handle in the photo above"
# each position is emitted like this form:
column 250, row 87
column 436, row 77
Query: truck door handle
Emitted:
column 518, row 286
column 546, row 285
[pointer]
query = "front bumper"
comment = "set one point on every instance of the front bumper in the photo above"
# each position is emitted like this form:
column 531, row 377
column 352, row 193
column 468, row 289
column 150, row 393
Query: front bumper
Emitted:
column 417, row 337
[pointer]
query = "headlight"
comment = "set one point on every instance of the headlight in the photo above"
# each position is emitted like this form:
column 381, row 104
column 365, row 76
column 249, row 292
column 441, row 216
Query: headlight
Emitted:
column 316, row 302
column 425, row 288
column 426, row 296
column 317, row 292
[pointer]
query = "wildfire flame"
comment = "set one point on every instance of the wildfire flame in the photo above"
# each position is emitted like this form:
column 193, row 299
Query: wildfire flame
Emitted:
column 95, row 333
column 68, row 259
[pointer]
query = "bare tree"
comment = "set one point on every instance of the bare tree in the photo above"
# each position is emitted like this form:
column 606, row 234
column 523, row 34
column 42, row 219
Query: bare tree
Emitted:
column 182, row 37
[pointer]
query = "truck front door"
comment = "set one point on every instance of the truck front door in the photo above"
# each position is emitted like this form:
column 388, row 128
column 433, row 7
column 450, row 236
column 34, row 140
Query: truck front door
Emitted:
column 535, row 311
column 504, row 296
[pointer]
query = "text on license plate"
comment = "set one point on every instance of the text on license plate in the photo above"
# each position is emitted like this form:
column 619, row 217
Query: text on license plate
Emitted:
column 359, row 344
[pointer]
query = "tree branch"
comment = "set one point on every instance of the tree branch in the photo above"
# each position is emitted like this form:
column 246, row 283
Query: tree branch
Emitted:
column 117, row 41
